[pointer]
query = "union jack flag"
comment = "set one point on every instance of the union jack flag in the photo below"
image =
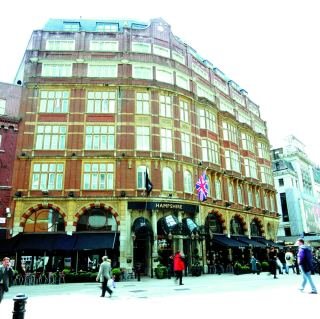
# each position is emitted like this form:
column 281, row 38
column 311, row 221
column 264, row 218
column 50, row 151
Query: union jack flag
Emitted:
column 202, row 187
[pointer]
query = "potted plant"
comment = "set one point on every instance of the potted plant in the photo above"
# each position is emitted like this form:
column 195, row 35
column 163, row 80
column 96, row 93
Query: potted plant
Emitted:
column 116, row 273
column 161, row 271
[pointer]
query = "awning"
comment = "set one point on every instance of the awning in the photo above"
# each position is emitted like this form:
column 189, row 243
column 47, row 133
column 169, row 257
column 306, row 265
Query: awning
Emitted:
column 35, row 242
column 250, row 242
column 142, row 226
column 92, row 241
column 223, row 240
column 170, row 224
column 267, row 242
column 189, row 225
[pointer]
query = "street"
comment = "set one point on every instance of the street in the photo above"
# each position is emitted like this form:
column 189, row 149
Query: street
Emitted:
column 227, row 295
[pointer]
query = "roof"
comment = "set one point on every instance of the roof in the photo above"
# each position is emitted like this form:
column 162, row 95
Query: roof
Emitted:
column 91, row 25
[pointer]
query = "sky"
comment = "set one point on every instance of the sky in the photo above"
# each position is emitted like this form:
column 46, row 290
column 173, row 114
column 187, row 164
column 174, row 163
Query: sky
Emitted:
column 270, row 48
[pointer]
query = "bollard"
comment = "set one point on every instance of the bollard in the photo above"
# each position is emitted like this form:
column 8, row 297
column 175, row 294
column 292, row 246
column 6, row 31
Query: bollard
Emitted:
column 19, row 309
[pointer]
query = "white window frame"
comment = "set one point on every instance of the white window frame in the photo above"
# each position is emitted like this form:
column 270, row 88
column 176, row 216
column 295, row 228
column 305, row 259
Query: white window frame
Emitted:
column 210, row 151
column 167, row 179
column 60, row 45
column 101, row 101
column 99, row 70
column 54, row 101
column 165, row 105
column 166, row 136
column 187, row 182
column 100, row 137
column 142, row 71
column 232, row 160
column 47, row 176
column 143, row 138
column 98, row 176
column 162, row 51
column 141, row 47
column 54, row 69
column 51, row 137
column 104, row 46
column 142, row 103
column 185, row 144
column 184, row 111
column 3, row 103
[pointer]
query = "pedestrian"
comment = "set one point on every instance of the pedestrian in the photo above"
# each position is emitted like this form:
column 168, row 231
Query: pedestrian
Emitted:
column 254, row 265
column 289, row 261
column 104, row 275
column 306, row 266
column 6, row 275
column 273, row 262
column 178, row 266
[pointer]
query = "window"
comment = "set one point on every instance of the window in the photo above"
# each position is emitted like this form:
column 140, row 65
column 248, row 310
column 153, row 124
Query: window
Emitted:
column 266, row 201
column 164, row 75
column 187, row 179
column 247, row 142
column 210, row 151
column 230, row 191
column 143, row 138
column 141, row 177
column 281, row 182
column 158, row 50
column 208, row 120
column 2, row 106
column 141, row 47
column 100, row 137
column 57, row 69
column 166, row 140
column 182, row 81
column 250, row 197
column 98, row 176
column 232, row 160
column 102, row 70
column 240, row 194
column 185, row 144
column 54, row 102
column 165, row 105
column 258, row 203
column 167, row 179
column 71, row 26
column 47, row 176
column 201, row 71
column 143, row 103
column 263, row 151
column 97, row 45
column 284, row 207
column 178, row 57
column 60, row 45
column 107, row 27
column 142, row 72
column 250, row 166
column 184, row 111
column 217, row 185
column 205, row 92
column 272, row 205
column 306, row 181
column 229, row 132
column 101, row 102
column 266, row 175
column 51, row 137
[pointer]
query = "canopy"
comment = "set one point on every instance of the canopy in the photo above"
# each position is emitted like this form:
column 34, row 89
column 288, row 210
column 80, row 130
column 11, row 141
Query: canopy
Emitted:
column 249, row 241
column 141, row 226
column 223, row 240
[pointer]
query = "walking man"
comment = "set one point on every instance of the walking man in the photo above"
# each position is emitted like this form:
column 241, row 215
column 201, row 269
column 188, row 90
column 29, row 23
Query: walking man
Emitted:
column 305, row 263
column 6, row 273
column 104, row 275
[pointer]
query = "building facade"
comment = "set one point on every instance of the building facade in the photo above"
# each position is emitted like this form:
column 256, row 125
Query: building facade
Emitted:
column 10, row 96
column 296, row 181
column 108, row 104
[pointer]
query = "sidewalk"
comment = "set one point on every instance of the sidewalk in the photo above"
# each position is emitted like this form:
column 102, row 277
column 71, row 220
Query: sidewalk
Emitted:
column 228, row 295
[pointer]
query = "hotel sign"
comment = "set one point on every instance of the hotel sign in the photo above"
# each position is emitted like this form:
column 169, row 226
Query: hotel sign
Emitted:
column 164, row 206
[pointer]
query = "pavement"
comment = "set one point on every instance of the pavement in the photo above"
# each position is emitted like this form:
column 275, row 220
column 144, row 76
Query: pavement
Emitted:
column 227, row 295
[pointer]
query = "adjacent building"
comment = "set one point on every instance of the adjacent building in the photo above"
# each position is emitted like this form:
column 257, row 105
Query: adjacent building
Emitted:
column 10, row 96
column 110, row 105
column 297, row 184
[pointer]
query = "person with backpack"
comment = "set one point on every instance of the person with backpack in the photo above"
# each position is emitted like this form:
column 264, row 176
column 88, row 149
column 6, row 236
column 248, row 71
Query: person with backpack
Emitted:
column 289, row 262
column 306, row 265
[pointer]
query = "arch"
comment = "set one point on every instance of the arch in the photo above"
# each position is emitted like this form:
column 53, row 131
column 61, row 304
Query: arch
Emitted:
column 38, row 207
column 241, row 221
column 219, row 217
column 84, row 209
column 259, row 224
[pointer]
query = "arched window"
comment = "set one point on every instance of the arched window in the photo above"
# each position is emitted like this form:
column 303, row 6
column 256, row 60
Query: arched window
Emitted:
column 44, row 220
column 214, row 224
column 255, row 229
column 230, row 192
column 97, row 219
column 218, row 189
column 187, row 181
column 250, row 197
column 236, row 227
column 167, row 179
column 141, row 176
column 240, row 196
column 258, row 204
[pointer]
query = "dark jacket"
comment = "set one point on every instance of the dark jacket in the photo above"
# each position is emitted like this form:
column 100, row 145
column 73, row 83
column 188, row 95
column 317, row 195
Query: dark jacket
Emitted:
column 6, row 277
column 305, row 258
